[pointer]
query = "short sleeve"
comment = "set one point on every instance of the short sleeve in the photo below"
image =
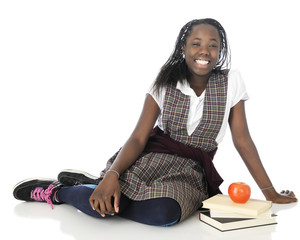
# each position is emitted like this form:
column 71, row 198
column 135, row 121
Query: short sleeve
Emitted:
column 236, row 87
column 158, row 97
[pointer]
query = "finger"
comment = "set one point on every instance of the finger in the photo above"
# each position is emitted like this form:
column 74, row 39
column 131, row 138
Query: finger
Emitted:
column 292, row 194
column 285, row 192
column 92, row 203
column 109, row 207
column 291, row 199
column 117, row 202
column 97, row 206
column 102, row 209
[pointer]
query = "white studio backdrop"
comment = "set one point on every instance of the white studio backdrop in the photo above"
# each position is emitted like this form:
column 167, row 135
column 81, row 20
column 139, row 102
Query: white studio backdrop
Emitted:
column 74, row 74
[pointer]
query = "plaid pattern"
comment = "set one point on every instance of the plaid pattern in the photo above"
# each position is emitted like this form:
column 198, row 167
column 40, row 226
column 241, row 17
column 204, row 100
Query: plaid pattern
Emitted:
column 176, row 108
column 156, row 175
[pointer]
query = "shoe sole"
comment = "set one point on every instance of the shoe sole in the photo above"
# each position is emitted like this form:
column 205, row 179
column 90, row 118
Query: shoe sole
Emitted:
column 27, row 182
column 71, row 177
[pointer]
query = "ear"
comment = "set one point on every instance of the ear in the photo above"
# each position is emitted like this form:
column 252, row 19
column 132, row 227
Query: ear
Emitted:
column 183, row 50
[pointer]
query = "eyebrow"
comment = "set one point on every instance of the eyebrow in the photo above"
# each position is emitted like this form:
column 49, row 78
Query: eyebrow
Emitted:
column 212, row 39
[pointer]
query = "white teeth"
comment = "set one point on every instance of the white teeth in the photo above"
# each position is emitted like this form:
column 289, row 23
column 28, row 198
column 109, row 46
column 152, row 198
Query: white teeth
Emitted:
column 202, row 62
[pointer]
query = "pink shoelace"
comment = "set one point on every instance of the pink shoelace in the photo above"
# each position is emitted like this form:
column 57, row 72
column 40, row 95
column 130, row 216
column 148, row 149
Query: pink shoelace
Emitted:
column 40, row 195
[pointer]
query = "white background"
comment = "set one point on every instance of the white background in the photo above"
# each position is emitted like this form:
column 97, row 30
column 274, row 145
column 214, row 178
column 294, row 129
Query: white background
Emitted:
column 73, row 77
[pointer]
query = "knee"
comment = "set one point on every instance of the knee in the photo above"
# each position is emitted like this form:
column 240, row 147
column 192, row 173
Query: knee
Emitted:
column 157, row 212
column 166, row 213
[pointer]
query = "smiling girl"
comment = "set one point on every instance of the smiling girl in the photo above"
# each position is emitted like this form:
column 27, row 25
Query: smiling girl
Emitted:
column 162, row 174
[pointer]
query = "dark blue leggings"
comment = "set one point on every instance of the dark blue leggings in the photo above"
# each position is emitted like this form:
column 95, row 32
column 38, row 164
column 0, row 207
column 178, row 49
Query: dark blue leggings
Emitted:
column 157, row 211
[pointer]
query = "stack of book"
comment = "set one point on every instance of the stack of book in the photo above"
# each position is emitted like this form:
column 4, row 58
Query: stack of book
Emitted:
column 223, row 214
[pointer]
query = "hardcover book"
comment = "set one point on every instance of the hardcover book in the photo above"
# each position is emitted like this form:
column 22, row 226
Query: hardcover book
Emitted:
column 222, row 214
column 229, row 224
column 252, row 207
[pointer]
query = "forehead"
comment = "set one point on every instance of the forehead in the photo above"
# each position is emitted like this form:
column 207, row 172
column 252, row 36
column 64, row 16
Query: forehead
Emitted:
column 204, row 31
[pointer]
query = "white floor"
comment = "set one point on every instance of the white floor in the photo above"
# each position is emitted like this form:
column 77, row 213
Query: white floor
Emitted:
column 38, row 221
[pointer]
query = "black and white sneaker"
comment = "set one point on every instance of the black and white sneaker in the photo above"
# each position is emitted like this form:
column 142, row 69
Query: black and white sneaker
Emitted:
column 71, row 177
column 40, row 190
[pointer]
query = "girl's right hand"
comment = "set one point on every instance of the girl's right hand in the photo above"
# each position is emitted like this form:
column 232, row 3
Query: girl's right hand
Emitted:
column 107, row 190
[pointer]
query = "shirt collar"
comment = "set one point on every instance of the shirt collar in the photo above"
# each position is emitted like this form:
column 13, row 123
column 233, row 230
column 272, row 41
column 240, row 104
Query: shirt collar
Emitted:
column 185, row 88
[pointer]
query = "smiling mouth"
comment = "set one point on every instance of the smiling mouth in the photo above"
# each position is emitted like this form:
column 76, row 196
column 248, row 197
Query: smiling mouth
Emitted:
column 202, row 62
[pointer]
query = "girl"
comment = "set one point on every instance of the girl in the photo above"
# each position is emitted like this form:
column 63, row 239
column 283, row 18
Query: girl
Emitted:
column 162, row 175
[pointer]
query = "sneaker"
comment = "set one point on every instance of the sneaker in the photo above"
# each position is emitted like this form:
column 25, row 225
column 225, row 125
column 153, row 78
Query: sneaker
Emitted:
column 71, row 177
column 40, row 190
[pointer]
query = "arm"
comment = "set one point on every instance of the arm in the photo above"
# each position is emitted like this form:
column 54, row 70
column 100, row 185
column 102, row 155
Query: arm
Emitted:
column 247, row 150
column 138, row 139
column 109, row 187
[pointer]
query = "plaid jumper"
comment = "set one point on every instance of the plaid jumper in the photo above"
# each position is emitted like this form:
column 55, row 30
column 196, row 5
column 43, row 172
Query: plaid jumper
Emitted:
column 156, row 175
column 176, row 108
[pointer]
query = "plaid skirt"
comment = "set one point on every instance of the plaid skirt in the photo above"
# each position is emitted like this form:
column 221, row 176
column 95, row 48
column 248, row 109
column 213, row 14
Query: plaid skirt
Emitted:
column 156, row 175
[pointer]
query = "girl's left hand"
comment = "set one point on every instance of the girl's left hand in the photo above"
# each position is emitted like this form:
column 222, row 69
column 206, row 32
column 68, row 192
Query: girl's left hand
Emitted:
column 285, row 196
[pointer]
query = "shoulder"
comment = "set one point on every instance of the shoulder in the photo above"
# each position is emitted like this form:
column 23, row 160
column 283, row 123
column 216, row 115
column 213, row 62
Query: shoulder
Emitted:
column 234, row 75
column 236, row 87
column 158, row 95
column 235, row 79
column 230, row 75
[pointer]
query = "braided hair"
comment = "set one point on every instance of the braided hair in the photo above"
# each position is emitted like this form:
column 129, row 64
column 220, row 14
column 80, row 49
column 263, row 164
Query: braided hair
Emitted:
column 175, row 69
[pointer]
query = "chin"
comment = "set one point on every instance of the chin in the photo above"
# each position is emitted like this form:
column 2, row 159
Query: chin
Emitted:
column 203, row 73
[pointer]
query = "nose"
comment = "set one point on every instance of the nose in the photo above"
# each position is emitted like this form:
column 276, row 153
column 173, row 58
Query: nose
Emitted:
column 204, row 50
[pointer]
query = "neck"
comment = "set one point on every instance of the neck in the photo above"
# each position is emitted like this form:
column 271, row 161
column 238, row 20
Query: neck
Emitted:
column 198, row 84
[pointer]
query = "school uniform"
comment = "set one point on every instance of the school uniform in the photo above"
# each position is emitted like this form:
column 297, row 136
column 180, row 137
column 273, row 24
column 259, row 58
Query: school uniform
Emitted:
column 177, row 160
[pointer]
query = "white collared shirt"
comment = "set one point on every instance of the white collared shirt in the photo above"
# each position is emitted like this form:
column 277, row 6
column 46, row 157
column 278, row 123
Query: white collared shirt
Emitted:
column 236, row 92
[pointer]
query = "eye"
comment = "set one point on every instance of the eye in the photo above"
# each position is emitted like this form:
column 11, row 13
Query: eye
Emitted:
column 213, row 45
column 196, row 44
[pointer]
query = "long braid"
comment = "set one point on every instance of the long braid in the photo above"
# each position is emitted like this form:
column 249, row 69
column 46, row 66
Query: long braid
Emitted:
column 175, row 69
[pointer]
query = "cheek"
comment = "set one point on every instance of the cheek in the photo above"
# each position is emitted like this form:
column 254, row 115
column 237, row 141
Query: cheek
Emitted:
column 216, row 56
column 189, row 61
column 217, row 53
